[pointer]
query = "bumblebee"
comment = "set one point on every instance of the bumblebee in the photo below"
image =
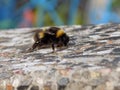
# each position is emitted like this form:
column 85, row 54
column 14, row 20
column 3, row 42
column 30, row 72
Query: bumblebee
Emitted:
column 53, row 36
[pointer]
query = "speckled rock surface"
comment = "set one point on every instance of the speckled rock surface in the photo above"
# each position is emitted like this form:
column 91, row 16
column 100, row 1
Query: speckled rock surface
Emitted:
column 91, row 62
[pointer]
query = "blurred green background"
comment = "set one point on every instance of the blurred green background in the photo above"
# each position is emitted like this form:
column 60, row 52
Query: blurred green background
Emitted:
column 38, row 13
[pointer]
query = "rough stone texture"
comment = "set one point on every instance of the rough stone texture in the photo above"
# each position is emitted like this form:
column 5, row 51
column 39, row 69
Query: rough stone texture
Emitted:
column 91, row 62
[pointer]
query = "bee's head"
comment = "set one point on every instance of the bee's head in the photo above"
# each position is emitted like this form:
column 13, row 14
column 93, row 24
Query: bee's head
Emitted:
column 65, row 39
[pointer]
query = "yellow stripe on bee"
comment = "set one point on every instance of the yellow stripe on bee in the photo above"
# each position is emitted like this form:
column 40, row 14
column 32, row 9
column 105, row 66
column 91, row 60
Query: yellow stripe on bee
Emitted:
column 41, row 33
column 59, row 33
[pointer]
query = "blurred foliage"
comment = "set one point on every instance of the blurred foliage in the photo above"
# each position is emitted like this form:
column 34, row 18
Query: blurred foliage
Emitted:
column 116, row 3
column 19, row 13
column 63, row 13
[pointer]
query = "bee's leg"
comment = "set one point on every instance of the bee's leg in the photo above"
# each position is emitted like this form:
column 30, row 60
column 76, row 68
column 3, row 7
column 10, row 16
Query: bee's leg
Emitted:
column 59, row 46
column 53, row 47
column 33, row 47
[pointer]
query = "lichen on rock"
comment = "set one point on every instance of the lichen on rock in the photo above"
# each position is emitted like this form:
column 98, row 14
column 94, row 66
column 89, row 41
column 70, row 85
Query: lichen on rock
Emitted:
column 90, row 62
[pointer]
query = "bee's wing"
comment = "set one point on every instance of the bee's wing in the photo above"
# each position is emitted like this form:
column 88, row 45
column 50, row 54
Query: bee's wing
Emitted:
column 52, row 30
column 50, row 33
